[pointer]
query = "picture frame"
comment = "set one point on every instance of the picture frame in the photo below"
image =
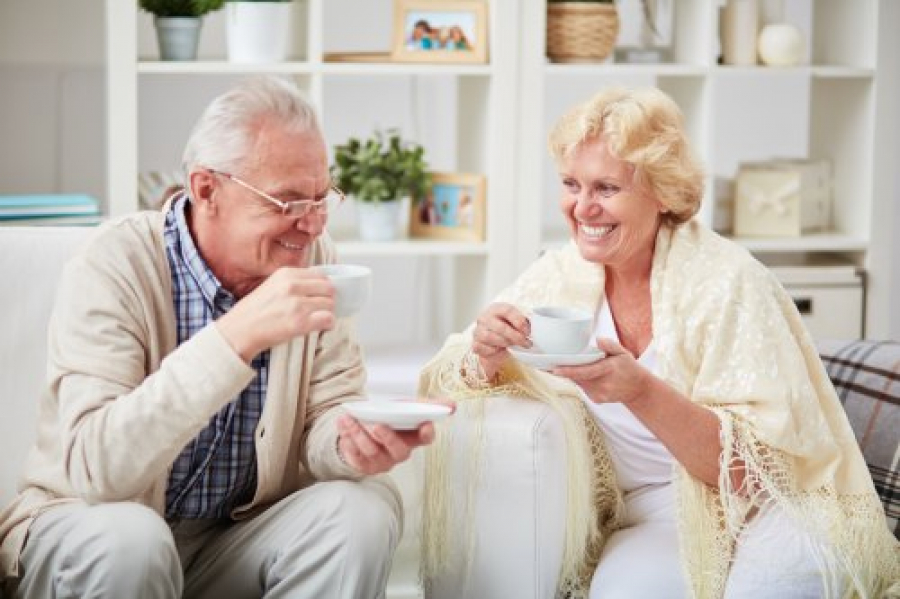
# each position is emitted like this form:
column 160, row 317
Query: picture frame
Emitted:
column 435, row 31
column 454, row 210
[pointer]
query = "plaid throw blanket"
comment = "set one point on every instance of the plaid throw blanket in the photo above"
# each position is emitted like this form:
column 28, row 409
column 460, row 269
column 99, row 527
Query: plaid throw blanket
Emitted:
column 866, row 375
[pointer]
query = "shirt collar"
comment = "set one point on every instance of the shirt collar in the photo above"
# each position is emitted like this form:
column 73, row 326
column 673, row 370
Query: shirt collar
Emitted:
column 215, row 295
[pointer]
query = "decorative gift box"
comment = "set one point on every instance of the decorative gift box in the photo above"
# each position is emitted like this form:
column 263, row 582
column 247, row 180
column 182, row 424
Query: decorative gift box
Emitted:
column 782, row 198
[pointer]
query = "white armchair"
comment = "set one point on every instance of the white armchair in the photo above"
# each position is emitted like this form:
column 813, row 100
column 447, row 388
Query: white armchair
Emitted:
column 519, row 508
column 519, row 512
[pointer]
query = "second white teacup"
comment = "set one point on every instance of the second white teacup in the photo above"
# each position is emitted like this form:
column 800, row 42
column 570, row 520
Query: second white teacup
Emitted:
column 352, row 286
column 560, row 329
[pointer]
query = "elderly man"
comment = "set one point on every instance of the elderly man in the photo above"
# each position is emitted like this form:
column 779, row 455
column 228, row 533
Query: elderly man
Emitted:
column 191, row 439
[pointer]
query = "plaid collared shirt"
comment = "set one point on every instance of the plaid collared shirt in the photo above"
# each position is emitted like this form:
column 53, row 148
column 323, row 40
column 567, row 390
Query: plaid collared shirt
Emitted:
column 216, row 471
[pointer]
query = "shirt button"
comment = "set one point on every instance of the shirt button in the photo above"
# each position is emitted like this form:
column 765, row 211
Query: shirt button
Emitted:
column 262, row 432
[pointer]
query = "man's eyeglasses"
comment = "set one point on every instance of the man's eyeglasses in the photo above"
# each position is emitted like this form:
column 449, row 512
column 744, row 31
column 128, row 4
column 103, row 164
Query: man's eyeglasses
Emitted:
column 298, row 208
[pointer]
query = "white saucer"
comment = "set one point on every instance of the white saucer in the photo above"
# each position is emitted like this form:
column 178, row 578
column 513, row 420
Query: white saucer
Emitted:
column 539, row 359
column 399, row 415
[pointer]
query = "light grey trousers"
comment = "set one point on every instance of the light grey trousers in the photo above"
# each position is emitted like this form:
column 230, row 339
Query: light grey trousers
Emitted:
column 334, row 539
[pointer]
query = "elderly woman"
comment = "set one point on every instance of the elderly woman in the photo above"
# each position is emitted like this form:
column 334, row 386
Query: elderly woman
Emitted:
column 721, row 463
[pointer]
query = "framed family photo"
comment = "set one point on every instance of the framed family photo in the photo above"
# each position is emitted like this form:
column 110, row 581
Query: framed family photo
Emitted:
column 453, row 210
column 437, row 31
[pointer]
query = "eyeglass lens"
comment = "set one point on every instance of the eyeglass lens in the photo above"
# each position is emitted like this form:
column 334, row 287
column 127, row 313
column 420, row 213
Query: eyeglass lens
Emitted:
column 331, row 201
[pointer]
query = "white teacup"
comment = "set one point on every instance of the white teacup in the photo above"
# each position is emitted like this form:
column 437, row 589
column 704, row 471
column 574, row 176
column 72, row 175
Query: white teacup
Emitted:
column 352, row 286
column 560, row 329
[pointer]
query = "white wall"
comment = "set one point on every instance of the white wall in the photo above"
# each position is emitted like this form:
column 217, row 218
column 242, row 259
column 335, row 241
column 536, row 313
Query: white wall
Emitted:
column 52, row 97
column 52, row 32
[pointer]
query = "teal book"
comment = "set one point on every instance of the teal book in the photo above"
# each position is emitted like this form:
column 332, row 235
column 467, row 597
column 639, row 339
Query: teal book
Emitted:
column 51, row 220
column 32, row 205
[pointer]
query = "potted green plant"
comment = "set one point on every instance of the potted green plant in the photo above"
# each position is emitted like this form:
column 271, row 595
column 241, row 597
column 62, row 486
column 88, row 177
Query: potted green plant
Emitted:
column 378, row 172
column 178, row 25
column 581, row 30
column 259, row 31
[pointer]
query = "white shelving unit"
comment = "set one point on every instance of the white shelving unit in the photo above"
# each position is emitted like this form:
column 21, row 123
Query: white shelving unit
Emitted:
column 152, row 104
column 494, row 119
column 836, row 107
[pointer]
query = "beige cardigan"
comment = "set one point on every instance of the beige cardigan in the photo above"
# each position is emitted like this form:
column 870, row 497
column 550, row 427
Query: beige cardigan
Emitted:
column 729, row 338
column 122, row 400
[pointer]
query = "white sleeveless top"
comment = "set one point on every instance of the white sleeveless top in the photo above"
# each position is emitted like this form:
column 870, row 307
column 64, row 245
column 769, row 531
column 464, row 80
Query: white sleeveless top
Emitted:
column 638, row 457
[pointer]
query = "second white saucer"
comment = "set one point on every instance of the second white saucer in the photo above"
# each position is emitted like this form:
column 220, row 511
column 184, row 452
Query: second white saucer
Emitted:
column 539, row 359
column 399, row 415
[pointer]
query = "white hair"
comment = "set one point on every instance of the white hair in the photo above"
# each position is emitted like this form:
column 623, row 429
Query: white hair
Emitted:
column 223, row 135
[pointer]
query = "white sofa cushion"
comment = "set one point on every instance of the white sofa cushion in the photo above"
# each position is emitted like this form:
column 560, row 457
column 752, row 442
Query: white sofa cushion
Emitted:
column 519, row 507
column 31, row 259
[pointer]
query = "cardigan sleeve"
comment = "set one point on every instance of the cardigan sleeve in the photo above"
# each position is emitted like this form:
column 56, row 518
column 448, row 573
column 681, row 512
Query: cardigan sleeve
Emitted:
column 121, row 422
column 338, row 375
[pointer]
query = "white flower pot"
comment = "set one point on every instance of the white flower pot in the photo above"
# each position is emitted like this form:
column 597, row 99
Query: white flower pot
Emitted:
column 259, row 32
column 378, row 221
column 178, row 37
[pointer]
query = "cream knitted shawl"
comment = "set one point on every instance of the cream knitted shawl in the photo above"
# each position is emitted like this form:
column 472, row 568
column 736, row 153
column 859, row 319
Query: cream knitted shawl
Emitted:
column 729, row 338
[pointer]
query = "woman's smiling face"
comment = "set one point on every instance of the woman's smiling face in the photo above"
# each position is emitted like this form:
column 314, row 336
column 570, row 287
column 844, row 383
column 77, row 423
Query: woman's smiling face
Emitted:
column 613, row 221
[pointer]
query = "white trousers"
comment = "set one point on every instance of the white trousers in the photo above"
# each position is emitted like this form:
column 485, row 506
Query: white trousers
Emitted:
column 333, row 539
column 774, row 558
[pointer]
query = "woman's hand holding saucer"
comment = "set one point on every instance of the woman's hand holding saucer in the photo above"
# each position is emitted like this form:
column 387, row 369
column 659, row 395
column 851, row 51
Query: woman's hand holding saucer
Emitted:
column 616, row 378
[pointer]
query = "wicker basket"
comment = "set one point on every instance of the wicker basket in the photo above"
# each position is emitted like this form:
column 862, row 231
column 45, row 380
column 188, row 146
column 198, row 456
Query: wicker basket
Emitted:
column 581, row 31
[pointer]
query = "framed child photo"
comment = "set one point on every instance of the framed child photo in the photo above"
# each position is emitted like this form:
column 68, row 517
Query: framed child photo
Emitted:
column 453, row 210
column 437, row 31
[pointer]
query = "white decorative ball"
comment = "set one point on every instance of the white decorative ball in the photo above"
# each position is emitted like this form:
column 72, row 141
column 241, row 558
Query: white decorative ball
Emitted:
column 780, row 45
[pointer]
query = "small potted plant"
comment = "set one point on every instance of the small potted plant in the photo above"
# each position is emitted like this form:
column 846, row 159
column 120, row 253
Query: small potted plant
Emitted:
column 259, row 31
column 178, row 25
column 378, row 173
column 581, row 30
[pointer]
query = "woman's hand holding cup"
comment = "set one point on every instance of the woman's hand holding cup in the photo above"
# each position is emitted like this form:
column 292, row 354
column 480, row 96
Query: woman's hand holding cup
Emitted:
column 497, row 328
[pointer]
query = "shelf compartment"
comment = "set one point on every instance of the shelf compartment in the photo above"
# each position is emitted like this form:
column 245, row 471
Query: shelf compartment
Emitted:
column 811, row 242
column 402, row 69
column 408, row 247
column 841, row 126
column 837, row 37
column 818, row 71
column 627, row 70
column 839, row 72
column 221, row 67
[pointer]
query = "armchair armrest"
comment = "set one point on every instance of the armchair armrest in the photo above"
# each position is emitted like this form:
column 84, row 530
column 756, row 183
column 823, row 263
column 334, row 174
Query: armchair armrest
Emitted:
column 519, row 503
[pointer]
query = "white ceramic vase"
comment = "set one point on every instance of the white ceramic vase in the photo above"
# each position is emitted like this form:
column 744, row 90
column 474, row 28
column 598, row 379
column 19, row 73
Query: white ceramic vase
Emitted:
column 781, row 45
column 378, row 221
column 738, row 28
column 259, row 32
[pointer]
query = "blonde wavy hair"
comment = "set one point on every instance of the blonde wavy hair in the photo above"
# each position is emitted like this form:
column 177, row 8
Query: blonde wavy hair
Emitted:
column 644, row 128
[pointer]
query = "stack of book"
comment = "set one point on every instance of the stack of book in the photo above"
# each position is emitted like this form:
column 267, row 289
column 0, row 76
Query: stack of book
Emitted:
column 49, row 209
